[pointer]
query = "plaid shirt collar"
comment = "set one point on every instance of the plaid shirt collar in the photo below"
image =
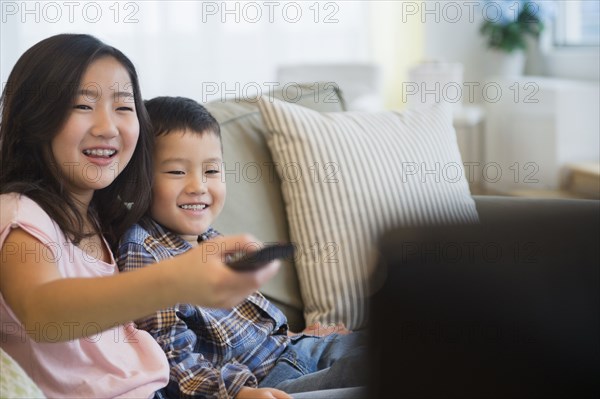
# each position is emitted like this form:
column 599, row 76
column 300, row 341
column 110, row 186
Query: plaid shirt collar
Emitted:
column 171, row 241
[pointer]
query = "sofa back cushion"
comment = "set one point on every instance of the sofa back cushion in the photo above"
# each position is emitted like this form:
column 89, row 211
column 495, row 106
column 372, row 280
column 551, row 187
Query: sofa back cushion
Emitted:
column 352, row 176
column 254, row 203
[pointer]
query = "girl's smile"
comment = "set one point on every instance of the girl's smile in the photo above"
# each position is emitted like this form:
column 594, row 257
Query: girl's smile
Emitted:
column 100, row 156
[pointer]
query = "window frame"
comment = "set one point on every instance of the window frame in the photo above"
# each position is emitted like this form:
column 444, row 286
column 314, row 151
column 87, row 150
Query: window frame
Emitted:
column 560, row 37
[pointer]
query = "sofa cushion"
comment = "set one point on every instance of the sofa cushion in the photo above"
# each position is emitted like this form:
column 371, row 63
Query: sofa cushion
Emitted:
column 14, row 382
column 254, row 204
column 347, row 178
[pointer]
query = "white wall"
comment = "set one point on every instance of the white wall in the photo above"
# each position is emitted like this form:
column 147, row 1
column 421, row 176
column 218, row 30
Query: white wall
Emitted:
column 180, row 47
column 543, row 120
column 194, row 48
column 449, row 38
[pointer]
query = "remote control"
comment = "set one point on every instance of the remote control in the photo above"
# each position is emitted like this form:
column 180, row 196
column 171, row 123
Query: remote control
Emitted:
column 262, row 257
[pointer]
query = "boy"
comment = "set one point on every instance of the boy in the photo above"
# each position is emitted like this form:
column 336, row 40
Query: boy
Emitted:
column 218, row 353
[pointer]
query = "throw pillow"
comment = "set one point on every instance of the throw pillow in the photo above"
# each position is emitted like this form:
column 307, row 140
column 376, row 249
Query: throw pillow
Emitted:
column 14, row 382
column 254, row 202
column 347, row 177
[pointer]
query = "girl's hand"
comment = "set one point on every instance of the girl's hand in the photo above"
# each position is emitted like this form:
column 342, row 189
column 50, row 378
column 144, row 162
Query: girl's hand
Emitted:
column 205, row 279
column 261, row 393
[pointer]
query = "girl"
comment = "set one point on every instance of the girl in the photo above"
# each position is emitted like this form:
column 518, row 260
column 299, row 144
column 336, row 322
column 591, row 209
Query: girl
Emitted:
column 75, row 149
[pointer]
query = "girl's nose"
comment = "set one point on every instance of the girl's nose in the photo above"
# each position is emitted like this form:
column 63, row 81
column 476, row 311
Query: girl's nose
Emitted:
column 104, row 126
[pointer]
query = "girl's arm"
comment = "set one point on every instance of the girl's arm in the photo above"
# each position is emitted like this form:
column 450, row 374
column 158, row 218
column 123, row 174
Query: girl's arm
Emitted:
column 38, row 294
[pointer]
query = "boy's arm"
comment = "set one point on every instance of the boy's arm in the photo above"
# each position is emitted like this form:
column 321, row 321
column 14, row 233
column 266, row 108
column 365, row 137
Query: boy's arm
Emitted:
column 262, row 393
column 191, row 374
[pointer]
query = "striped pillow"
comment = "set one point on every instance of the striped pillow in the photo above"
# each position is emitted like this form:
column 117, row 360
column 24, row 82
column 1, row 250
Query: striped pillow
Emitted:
column 349, row 176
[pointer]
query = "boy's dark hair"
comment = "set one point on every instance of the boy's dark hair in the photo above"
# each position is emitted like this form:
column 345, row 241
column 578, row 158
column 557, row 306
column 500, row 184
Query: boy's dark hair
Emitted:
column 169, row 114
column 36, row 102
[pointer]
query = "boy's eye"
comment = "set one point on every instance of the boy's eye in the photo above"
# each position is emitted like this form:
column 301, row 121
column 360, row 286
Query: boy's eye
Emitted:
column 81, row 106
column 125, row 109
column 213, row 171
column 176, row 172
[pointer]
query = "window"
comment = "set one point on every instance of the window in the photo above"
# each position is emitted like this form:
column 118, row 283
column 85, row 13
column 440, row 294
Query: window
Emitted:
column 205, row 50
column 577, row 23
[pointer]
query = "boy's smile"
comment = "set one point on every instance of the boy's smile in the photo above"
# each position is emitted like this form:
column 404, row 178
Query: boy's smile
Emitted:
column 188, row 192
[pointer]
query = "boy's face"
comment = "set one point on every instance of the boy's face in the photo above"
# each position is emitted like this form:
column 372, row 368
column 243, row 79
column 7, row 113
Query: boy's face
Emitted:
column 189, row 191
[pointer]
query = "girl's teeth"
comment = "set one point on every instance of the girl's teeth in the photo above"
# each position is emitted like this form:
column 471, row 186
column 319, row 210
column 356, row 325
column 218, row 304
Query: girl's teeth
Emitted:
column 193, row 207
column 99, row 152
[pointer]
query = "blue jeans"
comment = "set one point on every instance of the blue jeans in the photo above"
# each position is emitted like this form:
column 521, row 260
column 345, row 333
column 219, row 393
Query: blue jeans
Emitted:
column 318, row 363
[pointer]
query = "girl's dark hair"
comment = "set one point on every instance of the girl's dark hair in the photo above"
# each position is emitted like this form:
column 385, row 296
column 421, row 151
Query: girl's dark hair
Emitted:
column 36, row 102
column 180, row 113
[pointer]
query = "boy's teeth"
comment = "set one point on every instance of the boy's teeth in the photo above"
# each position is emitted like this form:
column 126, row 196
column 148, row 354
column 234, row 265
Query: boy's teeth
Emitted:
column 193, row 207
column 99, row 152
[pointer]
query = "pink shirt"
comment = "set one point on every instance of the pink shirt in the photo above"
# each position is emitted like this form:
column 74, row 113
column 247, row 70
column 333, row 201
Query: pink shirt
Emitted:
column 120, row 362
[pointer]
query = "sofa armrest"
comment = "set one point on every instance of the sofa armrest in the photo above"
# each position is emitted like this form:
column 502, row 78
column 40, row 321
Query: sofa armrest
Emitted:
column 492, row 208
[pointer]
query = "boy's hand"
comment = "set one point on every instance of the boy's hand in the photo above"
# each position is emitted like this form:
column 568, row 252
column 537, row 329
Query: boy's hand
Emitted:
column 261, row 393
column 322, row 330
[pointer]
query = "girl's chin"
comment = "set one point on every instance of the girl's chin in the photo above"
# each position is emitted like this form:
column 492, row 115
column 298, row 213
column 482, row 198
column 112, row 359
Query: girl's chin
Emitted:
column 88, row 187
column 105, row 182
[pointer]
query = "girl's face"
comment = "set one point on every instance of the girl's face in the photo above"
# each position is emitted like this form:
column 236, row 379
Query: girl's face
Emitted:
column 101, row 131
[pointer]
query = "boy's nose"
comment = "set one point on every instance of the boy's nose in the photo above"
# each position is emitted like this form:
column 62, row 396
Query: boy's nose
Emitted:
column 196, row 185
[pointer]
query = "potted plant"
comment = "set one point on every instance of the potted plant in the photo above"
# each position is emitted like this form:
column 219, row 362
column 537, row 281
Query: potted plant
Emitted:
column 508, row 26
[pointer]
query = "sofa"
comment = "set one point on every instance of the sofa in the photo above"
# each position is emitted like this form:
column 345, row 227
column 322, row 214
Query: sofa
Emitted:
column 255, row 202
column 563, row 356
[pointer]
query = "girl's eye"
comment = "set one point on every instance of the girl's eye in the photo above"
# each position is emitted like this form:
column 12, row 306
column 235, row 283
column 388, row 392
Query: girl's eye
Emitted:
column 125, row 109
column 213, row 171
column 82, row 106
column 176, row 172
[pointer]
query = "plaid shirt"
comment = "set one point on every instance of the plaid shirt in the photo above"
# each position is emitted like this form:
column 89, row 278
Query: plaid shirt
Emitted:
column 213, row 353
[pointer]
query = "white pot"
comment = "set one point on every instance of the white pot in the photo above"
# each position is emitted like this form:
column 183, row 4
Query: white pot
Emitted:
column 501, row 63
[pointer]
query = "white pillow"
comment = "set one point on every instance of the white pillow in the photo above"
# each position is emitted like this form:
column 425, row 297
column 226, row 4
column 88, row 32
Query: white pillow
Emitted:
column 347, row 177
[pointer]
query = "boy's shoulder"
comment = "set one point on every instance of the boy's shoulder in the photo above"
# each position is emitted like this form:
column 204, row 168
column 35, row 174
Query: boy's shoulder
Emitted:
column 150, row 238
column 146, row 234
column 136, row 234
column 144, row 243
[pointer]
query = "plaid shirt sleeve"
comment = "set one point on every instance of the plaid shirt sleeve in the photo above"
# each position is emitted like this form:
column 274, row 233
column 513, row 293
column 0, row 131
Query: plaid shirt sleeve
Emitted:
column 191, row 375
